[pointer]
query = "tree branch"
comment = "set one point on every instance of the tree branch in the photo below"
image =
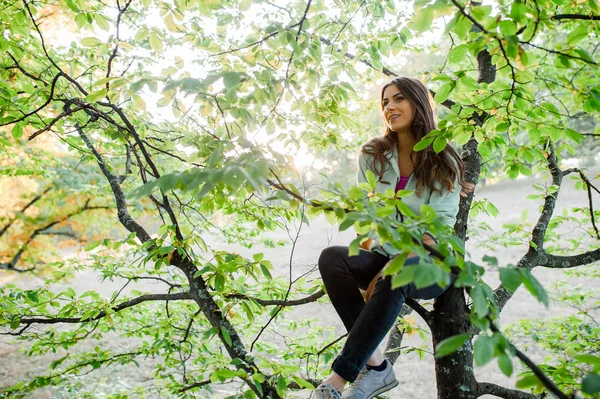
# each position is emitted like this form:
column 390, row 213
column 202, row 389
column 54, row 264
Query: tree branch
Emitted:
column 535, row 369
column 124, row 305
column 40, row 230
column 392, row 351
column 565, row 262
column 487, row 388
column 114, row 52
column 29, row 204
column 48, row 101
column 421, row 311
column 589, row 187
column 560, row 17
column 198, row 384
column 29, row 75
column 535, row 253
column 277, row 302
column 118, row 193
column 560, row 53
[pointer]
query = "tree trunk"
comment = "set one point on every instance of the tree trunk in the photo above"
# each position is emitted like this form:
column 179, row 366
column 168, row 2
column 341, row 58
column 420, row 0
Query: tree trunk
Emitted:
column 454, row 373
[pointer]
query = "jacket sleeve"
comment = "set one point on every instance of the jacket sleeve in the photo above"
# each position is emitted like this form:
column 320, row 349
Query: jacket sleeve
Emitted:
column 446, row 203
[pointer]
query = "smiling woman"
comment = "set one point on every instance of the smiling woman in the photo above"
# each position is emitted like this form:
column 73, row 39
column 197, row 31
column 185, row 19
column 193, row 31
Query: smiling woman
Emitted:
column 436, row 179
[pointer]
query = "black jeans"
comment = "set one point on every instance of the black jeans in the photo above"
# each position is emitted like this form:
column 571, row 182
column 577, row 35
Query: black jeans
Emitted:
column 367, row 324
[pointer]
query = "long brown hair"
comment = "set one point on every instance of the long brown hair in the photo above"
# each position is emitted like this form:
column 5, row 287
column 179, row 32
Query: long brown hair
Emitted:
column 435, row 171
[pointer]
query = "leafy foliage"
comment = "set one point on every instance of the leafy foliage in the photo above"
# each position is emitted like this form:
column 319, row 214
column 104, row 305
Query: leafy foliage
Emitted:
column 185, row 116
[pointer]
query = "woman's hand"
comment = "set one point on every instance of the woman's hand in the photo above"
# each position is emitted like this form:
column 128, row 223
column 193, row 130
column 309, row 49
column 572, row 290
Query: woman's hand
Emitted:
column 426, row 240
column 366, row 245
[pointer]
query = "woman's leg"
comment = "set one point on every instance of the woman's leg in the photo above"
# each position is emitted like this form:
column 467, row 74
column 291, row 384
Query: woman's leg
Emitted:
column 373, row 323
column 345, row 275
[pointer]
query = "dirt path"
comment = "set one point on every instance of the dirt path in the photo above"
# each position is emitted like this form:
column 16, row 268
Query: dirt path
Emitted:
column 416, row 376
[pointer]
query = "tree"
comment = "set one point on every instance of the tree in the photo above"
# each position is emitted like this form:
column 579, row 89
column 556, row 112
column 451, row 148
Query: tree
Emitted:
column 516, row 79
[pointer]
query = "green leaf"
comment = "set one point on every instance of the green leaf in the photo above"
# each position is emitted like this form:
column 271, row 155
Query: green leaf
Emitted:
column 96, row 96
column 483, row 350
column 480, row 304
column 231, row 79
column 490, row 260
column 424, row 143
column 534, row 286
column 90, row 42
column 405, row 276
column 17, row 131
column 281, row 386
column 511, row 278
column 155, row 42
column 353, row 248
column 371, row 179
column 591, row 383
column 550, row 107
column 92, row 245
column 508, row 28
column 15, row 324
column 443, row 92
column 265, row 271
column 580, row 32
column 439, row 144
column 396, row 264
column 302, row 382
column 426, row 275
column 528, row 382
column 226, row 335
column 458, row 53
column 422, row 19
column 451, row 345
column 102, row 22
column 505, row 364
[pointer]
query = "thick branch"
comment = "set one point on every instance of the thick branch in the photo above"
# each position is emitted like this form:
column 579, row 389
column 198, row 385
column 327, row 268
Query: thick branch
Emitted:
column 118, row 193
column 53, row 122
column 535, row 254
column 565, row 262
column 277, row 302
column 539, row 231
column 487, row 388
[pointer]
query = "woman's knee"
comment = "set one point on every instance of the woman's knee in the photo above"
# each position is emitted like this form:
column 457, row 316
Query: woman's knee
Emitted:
column 330, row 259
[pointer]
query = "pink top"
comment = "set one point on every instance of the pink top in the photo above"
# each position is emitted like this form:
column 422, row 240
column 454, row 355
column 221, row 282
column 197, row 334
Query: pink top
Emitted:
column 401, row 183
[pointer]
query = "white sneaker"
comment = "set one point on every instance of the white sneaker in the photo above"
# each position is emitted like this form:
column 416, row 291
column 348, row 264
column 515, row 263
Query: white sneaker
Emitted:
column 371, row 383
column 327, row 391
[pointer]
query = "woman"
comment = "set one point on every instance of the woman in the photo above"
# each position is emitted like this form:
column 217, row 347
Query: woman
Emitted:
column 437, row 180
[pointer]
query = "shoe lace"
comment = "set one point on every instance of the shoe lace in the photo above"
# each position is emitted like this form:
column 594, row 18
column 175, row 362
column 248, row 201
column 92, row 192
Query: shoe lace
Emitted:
column 361, row 376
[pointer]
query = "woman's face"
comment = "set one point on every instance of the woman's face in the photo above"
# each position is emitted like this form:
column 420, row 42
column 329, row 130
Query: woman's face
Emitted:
column 398, row 111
